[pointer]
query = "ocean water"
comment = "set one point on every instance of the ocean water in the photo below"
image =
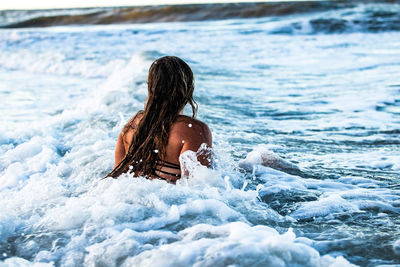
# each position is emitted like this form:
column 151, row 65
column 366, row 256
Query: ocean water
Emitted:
column 319, row 89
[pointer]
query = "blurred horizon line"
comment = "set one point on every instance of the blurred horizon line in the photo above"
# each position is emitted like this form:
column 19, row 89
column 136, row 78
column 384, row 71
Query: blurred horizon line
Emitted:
column 103, row 4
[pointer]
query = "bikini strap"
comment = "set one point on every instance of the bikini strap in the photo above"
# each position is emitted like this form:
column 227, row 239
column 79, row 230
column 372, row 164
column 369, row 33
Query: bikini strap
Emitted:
column 168, row 173
column 168, row 164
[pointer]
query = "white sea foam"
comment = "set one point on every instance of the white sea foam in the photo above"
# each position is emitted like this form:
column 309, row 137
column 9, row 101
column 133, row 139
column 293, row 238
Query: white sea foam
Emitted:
column 127, row 213
column 57, row 63
column 346, row 195
column 238, row 243
column 262, row 156
column 325, row 206
column 20, row 262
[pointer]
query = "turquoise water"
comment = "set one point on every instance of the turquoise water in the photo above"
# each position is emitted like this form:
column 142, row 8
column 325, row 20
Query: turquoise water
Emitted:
column 327, row 101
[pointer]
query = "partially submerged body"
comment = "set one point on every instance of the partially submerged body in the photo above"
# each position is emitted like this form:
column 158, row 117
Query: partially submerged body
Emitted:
column 153, row 140
column 185, row 134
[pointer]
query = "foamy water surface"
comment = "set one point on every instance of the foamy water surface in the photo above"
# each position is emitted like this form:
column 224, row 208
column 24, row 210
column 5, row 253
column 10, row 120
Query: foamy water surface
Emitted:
column 327, row 102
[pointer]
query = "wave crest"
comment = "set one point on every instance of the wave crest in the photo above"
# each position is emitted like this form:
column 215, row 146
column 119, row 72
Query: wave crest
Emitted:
column 335, row 16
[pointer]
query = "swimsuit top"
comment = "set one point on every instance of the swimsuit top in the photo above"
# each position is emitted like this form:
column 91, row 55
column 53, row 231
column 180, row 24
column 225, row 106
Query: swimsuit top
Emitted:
column 166, row 164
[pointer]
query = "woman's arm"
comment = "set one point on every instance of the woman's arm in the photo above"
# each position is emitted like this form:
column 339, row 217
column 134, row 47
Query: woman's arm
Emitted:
column 125, row 138
column 119, row 150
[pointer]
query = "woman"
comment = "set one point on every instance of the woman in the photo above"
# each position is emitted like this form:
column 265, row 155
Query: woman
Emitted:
column 152, row 141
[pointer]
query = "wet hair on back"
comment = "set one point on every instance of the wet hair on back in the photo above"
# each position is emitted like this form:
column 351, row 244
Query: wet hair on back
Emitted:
column 170, row 89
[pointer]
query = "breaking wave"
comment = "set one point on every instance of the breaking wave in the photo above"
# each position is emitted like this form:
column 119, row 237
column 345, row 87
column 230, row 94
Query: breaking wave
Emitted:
column 304, row 17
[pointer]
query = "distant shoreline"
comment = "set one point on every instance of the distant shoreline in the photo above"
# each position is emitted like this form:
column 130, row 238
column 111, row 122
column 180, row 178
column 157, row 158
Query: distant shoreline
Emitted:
column 151, row 3
column 166, row 13
column 161, row 13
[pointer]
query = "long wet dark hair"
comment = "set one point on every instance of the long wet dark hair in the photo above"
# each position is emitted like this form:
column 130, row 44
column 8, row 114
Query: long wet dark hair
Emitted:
column 170, row 88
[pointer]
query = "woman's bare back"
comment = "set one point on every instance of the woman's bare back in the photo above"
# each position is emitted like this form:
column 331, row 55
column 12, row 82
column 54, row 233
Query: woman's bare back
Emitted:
column 186, row 133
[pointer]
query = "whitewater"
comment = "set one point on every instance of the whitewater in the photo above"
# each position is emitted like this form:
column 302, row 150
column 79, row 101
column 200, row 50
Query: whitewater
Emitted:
column 319, row 90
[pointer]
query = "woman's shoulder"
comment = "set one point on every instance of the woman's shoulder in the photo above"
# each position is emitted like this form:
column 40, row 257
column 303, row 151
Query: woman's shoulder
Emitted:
column 188, row 128
column 190, row 123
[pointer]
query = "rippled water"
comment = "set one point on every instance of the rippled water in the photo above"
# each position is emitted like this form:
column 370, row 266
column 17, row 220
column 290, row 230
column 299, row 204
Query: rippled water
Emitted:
column 327, row 102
